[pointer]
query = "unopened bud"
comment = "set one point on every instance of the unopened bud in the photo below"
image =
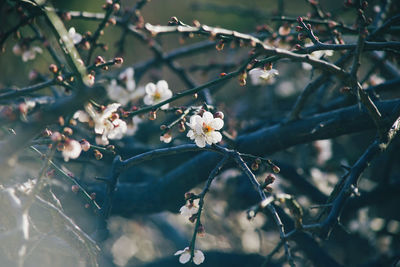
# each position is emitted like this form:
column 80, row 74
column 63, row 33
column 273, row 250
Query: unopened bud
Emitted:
column 98, row 155
column 276, row 169
column 220, row 45
column 75, row 188
column 112, row 21
column 242, row 78
column 152, row 115
column 173, row 21
column 284, row 30
column 85, row 45
column 93, row 196
column 85, row 145
column 56, row 137
column 196, row 23
column 269, row 179
column 254, row 166
column 99, row 60
column 118, row 60
column 53, row 68
column 299, row 19
column 116, row 7
column 182, row 127
column 201, row 232
column 68, row 131
column 219, row 114
column 47, row 133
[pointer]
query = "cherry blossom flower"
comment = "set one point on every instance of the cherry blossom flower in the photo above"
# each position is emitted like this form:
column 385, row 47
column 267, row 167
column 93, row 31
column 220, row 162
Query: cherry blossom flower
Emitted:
column 106, row 123
column 123, row 89
column 184, row 256
column 205, row 129
column 156, row 93
column 260, row 76
column 75, row 37
column 90, row 79
column 166, row 138
column 191, row 208
column 28, row 53
column 72, row 149
column 316, row 55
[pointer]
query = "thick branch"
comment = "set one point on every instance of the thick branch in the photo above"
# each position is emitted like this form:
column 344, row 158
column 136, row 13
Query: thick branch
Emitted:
column 167, row 193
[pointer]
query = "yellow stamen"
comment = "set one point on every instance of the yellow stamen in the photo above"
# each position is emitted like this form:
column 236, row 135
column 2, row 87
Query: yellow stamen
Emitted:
column 207, row 128
column 157, row 95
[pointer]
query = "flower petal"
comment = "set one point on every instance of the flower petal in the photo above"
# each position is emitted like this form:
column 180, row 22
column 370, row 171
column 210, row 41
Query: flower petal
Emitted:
column 162, row 86
column 217, row 123
column 200, row 141
column 198, row 257
column 190, row 134
column 207, row 117
column 150, row 88
column 179, row 252
column 185, row 257
column 216, row 137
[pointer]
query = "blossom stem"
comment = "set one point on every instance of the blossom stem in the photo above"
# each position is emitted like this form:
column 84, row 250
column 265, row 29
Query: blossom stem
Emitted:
column 71, row 179
column 211, row 177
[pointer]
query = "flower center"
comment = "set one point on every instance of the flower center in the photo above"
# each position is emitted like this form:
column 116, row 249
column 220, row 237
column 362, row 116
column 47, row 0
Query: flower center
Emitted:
column 207, row 128
column 157, row 95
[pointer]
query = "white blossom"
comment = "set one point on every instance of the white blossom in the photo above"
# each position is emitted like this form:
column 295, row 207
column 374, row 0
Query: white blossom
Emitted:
column 81, row 116
column 184, row 256
column 105, row 125
column 118, row 131
column 260, row 76
column 75, row 37
column 166, row 138
column 205, row 129
column 124, row 89
column 156, row 93
column 316, row 55
column 190, row 208
column 27, row 53
column 72, row 149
